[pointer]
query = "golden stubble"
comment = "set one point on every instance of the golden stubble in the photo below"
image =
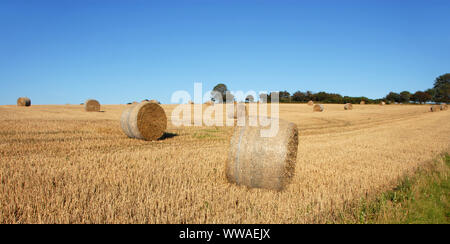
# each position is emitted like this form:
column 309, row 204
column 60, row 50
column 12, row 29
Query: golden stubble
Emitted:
column 59, row 164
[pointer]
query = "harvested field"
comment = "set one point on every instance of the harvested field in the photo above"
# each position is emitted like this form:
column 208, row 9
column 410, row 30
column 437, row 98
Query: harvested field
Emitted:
column 59, row 164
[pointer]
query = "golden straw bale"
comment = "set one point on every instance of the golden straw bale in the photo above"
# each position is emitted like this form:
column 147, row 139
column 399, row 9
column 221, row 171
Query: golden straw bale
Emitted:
column 23, row 102
column 146, row 121
column 318, row 108
column 348, row 106
column 92, row 105
column 262, row 162
column 435, row 108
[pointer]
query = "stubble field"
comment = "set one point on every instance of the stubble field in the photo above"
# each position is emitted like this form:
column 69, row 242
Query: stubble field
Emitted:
column 59, row 164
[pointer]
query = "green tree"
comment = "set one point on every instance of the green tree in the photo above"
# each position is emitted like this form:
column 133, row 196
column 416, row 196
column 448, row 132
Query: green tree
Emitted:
column 421, row 97
column 405, row 96
column 299, row 96
column 393, row 97
column 219, row 92
column 249, row 99
column 309, row 95
column 432, row 93
column 285, row 96
column 442, row 89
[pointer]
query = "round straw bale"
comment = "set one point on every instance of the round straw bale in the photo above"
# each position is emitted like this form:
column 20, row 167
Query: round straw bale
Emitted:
column 310, row 103
column 23, row 102
column 146, row 121
column 262, row 162
column 382, row 103
column 92, row 105
column 362, row 102
column 444, row 106
column 239, row 110
column 435, row 108
column 124, row 121
column 318, row 108
column 348, row 106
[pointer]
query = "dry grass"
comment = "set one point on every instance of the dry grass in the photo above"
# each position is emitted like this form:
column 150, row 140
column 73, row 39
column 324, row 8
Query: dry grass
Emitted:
column 59, row 164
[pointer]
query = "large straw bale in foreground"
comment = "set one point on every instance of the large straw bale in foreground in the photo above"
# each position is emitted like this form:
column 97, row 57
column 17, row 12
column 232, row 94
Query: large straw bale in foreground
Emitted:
column 92, row 105
column 262, row 162
column 318, row 108
column 348, row 106
column 146, row 121
column 23, row 102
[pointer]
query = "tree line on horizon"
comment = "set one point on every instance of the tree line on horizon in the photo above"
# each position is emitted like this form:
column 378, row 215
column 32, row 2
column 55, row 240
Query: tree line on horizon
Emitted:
column 440, row 93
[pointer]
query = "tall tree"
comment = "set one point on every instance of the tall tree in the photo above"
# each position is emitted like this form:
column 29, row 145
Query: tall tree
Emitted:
column 393, row 97
column 219, row 92
column 299, row 96
column 442, row 89
column 284, row 96
column 421, row 97
column 309, row 95
column 405, row 96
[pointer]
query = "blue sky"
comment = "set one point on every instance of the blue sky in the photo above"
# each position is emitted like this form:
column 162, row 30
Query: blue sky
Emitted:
column 58, row 52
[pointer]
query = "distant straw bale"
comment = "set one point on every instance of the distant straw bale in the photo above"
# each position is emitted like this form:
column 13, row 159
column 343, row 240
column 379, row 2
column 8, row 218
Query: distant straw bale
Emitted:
column 435, row 108
column 92, row 105
column 443, row 106
column 23, row 102
column 310, row 103
column 362, row 102
column 318, row 108
column 348, row 106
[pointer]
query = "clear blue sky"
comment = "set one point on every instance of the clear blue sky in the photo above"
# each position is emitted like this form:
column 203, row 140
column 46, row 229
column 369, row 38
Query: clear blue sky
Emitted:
column 58, row 52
